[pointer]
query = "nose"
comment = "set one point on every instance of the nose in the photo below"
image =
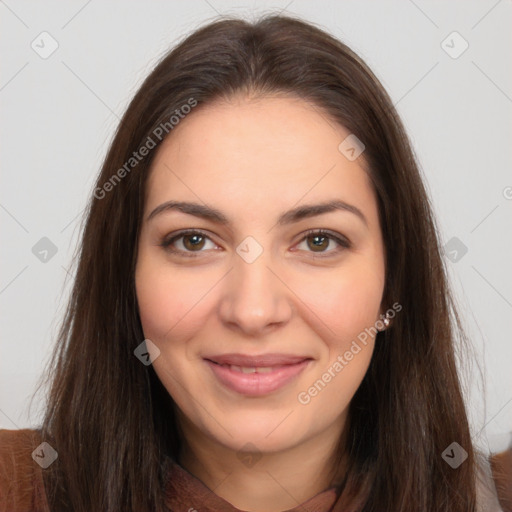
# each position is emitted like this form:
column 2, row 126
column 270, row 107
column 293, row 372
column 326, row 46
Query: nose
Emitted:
column 255, row 299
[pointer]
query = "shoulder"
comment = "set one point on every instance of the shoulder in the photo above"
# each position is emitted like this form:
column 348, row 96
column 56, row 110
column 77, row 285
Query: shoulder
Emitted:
column 21, row 481
column 487, row 498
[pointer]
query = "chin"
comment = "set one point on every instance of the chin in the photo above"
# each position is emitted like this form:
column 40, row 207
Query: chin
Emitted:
column 267, row 436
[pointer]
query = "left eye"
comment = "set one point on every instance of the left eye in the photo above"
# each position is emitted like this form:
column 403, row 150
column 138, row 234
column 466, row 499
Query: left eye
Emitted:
column 319, row 240
column 193, row 241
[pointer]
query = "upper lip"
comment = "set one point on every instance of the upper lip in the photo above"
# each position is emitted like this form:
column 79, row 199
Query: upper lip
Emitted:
column 263, row 360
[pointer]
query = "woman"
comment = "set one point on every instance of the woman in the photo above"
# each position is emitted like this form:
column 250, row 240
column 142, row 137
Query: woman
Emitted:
column 260, row 319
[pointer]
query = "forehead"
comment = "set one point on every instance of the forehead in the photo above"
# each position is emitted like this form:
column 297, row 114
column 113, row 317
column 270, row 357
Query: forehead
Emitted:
column 253, row 152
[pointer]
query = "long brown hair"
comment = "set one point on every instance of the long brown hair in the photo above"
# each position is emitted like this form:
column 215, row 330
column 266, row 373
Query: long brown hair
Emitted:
column 109, row 417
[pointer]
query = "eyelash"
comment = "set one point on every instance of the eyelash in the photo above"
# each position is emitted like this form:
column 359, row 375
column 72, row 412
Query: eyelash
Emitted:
column 343, row 243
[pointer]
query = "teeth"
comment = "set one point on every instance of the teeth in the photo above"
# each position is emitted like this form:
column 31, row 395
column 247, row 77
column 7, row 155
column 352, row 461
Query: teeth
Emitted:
column 249, row 369
column 264, row 369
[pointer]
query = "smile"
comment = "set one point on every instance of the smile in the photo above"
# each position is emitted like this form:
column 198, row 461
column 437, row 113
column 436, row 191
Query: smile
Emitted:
column 256, row 380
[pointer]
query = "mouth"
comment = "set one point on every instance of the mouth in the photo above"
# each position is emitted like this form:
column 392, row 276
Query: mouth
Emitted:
column 256, row 375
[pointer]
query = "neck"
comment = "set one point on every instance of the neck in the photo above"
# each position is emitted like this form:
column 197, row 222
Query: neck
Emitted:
column 264, row 482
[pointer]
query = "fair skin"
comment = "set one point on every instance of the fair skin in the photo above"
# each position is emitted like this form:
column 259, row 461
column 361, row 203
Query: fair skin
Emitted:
column 254, row 159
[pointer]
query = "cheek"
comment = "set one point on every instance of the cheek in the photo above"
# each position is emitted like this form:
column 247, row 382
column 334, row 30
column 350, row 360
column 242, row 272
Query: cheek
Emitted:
column 174, row 304
column 347, row 301
column 348, row 304
column 163, row 299
column 341, row 303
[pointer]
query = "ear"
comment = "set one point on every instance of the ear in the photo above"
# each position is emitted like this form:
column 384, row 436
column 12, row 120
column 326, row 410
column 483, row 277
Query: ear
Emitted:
column 384, row 321
column 387, row 316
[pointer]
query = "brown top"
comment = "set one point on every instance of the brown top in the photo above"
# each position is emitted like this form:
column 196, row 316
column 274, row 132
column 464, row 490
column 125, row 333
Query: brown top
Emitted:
column 21, row 478
column 22, row 458
column 501, row 466
column 186, row 493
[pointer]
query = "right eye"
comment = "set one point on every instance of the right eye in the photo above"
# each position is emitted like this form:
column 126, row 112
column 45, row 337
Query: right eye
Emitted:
column 191, row 241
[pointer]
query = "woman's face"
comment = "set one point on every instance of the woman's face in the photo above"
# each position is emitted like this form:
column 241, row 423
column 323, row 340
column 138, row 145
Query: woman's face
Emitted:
column 260, row 325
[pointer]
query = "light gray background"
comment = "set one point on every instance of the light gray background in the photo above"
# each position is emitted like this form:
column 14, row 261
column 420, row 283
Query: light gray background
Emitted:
column 59, row 113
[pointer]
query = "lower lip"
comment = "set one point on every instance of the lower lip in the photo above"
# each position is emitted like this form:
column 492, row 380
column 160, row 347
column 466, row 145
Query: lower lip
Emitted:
column 257, row 384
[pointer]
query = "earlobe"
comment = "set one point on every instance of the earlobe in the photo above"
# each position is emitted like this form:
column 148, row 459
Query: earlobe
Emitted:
column 384, row 322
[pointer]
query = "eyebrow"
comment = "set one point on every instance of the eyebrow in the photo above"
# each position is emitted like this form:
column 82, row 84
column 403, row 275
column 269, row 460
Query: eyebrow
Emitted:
column 289, row 217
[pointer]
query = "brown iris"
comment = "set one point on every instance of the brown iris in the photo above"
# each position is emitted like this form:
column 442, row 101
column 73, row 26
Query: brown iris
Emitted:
column 196, row 241
column 323, row 245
